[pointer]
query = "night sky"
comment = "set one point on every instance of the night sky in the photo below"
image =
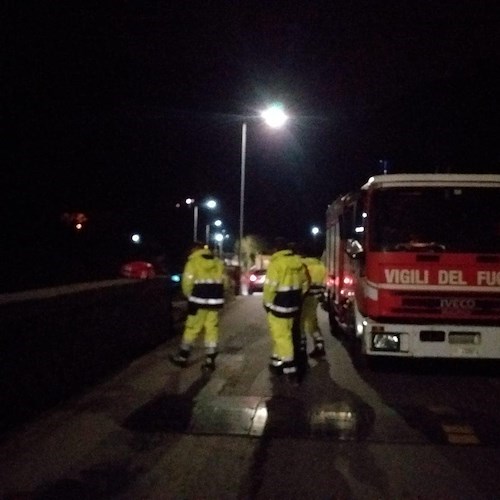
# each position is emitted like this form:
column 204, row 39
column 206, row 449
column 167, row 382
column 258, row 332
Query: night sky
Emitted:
column 128, row 107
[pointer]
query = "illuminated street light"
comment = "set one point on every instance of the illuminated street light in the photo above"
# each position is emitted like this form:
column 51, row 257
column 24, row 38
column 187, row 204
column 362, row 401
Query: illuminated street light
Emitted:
column 315, row 230
column 211, row 204
column 189, row 202
column 216, row 223
column 274, row 117
column 219, row 238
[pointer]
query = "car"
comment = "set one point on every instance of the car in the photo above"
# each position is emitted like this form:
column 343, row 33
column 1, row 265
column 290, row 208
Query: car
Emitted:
column 138, row 269
column 256, row 279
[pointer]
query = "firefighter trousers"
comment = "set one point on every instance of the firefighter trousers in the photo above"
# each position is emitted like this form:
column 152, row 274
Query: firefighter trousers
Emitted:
column 309, row 317
column 207, row 319
column 280, row 330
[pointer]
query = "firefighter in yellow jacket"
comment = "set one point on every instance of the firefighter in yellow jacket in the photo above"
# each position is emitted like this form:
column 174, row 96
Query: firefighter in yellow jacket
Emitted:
column 203, row 283
column 286, row 282
column 309, row 326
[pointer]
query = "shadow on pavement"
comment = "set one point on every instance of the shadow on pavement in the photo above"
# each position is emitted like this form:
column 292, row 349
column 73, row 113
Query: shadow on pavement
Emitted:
column 316, row 408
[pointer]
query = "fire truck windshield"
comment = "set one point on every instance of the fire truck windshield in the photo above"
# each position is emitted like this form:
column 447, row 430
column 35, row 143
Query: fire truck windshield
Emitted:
column 465, row 219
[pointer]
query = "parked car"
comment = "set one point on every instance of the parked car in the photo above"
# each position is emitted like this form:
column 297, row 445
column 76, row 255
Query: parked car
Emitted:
column 256, row 279
column 138, row 269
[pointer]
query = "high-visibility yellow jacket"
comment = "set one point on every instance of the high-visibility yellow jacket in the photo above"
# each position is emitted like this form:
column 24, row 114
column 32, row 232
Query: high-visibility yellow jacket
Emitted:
column 317, row 272
column 204, row 280
column 286, row 282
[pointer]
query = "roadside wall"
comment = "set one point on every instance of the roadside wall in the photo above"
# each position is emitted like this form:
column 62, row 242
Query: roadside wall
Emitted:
column 55, row 342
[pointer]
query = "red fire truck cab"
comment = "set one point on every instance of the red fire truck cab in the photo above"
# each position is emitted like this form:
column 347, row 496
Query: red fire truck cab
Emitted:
column 414, row 266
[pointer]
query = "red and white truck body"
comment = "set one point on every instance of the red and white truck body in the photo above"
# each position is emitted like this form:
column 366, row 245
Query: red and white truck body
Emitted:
column 414, row 265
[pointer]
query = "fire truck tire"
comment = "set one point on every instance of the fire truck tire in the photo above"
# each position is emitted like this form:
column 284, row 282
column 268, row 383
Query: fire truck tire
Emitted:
column 362, row 361
column 359, row 358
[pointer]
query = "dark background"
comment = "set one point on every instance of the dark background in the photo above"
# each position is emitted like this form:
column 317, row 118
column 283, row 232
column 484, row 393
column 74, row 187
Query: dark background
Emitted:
column 122, row 109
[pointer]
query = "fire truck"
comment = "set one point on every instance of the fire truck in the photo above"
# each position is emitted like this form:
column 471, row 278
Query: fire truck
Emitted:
column 414, row 266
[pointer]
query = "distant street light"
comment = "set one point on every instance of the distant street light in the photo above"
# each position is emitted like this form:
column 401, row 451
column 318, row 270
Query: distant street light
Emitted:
column 216, row 223
column 315, row 230
column 274, row 117
column 219, row 238
column 211, row 204
column 191, row 201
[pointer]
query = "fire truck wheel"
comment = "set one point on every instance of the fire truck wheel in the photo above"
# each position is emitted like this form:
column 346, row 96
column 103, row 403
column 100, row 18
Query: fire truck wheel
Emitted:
column 363, row 362
column 359, row 358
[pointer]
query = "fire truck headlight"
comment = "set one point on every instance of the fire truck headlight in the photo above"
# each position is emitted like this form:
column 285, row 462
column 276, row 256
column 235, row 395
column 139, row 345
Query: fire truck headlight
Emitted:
column 386, row 342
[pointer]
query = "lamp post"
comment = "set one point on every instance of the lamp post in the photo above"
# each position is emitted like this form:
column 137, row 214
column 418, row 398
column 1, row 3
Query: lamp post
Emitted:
column 274, row 117
column 209, row 204
column 219, row 238
column 216, row 223
column 242, row 189
column 191, row 201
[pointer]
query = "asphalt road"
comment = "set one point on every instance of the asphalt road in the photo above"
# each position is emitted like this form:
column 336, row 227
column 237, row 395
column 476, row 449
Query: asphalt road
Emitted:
column 158, row 431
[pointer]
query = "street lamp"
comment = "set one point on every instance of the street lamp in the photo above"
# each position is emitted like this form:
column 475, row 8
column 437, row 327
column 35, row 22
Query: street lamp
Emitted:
column 191, row 201
column 274, row 117
column 209, row 204
column 217, row 223
column 219, row 238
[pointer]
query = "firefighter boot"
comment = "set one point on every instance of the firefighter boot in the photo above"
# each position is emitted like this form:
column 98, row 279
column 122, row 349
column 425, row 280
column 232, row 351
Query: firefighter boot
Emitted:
column 302, row 363
column 276, row 365
column 319, row 349
column 181, row 358
column 209, row 363
column 290, row 371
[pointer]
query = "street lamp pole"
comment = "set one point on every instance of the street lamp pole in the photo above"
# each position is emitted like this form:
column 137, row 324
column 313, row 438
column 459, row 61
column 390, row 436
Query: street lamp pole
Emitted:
column 195, row 223
column 209, row 204
column 189, row 202
column 242, row 190
column 275, row 118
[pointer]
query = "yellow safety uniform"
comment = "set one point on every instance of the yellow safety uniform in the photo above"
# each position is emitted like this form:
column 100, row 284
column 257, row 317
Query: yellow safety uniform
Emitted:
column 203, row 283
column 309, row 317
column 286, row 282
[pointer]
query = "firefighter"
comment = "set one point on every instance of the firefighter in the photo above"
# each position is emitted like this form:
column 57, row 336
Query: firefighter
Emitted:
column 285, row 284
column 203, row 283
column 309, row 326
column 299, row 340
